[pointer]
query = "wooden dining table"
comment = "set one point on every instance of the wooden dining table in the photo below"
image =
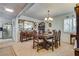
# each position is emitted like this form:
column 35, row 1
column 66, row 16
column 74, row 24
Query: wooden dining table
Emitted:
column 46, row 37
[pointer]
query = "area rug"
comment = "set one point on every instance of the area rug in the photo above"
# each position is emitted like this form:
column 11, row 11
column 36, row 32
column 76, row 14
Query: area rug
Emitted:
column 25, row 49
column 7, row 51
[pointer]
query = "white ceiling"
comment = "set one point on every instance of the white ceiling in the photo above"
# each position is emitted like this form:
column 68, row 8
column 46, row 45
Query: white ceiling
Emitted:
column 17, row 7
column 39, row 10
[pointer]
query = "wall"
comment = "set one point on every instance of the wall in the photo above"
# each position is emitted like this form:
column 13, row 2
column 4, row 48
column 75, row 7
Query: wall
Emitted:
column 14, row 23
column 3, row 20
column 58, row 24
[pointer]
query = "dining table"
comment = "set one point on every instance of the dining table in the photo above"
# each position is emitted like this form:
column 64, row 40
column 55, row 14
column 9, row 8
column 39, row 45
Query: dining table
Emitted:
column 45, row 37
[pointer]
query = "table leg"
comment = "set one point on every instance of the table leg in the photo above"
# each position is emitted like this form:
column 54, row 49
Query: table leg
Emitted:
column 70, row 40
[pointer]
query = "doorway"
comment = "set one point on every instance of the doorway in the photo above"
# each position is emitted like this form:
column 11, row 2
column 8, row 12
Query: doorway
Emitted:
column 6, row 32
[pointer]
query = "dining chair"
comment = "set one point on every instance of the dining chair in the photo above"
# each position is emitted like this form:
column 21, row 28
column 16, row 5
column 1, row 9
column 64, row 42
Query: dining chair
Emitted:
column 59, row 37
column 36, row 41
column 56, row 39
column 51, row 40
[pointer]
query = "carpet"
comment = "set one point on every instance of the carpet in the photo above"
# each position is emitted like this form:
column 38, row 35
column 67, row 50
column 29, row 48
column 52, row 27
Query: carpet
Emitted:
column 25, row 49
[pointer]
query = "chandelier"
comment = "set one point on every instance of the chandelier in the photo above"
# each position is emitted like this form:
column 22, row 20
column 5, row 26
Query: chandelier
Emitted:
column 48, row 18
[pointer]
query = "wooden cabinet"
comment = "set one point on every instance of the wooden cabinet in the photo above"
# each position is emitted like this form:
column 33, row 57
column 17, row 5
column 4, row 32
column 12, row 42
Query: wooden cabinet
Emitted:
column 76, row 52
column 41, row 27
column 77, row 24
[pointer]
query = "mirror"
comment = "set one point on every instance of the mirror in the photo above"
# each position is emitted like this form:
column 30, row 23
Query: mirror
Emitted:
column 50, row 25
column 26, row 25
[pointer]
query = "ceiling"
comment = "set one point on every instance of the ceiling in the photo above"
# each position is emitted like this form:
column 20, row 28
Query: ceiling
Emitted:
column 39, row 10
column 17, row 7
column 35, row 10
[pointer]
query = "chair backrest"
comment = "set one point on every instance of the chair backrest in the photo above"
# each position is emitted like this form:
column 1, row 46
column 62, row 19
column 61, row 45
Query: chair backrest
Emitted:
column 34, row 34
column 59, row 35
column 55, row 34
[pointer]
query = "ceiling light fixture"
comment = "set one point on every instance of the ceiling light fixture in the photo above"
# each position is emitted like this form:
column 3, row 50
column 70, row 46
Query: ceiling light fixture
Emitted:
column 48, row 18
column 9, row 10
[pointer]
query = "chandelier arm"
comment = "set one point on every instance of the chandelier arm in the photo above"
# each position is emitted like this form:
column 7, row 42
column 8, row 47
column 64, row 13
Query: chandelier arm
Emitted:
column 48, row 18
column 48, row 13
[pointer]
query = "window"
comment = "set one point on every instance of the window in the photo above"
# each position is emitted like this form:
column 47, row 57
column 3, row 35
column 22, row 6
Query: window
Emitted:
column 70, row 25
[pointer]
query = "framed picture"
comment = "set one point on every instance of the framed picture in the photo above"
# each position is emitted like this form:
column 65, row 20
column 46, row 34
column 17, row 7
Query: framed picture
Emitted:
column 50, row 25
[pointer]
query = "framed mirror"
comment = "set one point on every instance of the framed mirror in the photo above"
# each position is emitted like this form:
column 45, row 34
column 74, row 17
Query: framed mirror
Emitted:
column 26, row 25
column 50, row 25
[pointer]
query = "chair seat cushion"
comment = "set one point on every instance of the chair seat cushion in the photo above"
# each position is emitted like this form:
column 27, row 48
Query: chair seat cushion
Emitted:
column 50, row 40
column 40, row 40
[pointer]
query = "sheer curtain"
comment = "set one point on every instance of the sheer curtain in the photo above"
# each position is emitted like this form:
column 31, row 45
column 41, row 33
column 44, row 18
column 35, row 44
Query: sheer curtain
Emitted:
column 70, row 25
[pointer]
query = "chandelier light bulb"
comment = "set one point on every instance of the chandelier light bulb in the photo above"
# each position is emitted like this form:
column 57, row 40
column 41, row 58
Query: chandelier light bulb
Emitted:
column 48, row 18
column 45, row 19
